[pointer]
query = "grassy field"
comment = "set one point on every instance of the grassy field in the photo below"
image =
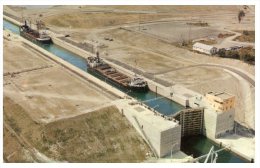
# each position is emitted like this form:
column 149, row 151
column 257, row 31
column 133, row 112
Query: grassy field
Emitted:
column 101, row 136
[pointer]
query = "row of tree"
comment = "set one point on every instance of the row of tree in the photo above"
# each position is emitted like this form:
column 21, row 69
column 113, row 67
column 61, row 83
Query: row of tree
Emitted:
column 246, row 54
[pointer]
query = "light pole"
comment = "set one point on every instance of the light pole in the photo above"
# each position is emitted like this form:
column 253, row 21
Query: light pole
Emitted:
column 172, row 91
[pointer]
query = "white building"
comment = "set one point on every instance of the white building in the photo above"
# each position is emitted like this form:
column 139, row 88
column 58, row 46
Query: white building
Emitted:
column 204, row 48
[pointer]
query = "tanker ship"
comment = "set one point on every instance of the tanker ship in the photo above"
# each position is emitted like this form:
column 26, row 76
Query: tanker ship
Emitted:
column 97, row 65
column 39, row 36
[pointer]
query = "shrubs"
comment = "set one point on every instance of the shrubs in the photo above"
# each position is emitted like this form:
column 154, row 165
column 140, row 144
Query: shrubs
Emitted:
column 241, row 14
column 247, row 36
column 246, row 54
column 246, row 33
column 225, row 35
column 200, row 24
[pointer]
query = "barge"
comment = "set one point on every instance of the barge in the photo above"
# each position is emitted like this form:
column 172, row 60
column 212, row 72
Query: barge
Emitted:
column 97, row 65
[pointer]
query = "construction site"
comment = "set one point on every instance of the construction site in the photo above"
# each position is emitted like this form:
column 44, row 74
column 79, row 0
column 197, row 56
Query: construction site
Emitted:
column 78, row 99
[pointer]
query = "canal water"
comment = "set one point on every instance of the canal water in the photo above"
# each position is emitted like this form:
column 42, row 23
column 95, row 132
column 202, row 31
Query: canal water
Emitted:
column 195, row 146
column 200, row 145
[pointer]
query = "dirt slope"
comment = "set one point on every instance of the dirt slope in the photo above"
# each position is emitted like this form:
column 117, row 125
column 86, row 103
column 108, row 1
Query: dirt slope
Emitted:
column 101, row 136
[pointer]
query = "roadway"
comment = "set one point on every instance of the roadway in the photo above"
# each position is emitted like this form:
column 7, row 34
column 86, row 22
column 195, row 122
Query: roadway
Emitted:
column 247, row 77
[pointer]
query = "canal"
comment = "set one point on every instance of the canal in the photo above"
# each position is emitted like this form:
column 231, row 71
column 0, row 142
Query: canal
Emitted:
column 195, row 146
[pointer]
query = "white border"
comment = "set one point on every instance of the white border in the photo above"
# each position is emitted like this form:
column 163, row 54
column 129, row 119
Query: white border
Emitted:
column 128, row 2
column 140, row 2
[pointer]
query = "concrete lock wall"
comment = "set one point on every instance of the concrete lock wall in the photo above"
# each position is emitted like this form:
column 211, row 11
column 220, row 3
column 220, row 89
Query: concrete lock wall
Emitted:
column 210, row 122
column 217, row 124
column 12, row 20
column 225, row 123
column 170, row 141
column 70, row 47
column 163, row 141
column 166, row 92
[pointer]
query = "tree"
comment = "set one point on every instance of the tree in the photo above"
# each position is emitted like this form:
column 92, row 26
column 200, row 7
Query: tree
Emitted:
column 241, row 14
column 247, row 54
column 222, row 52
column 245, row 32
column 232, row 54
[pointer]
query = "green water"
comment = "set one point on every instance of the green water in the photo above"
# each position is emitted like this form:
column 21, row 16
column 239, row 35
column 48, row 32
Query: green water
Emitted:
column 200, row 145
column 10, row 26
column 192, row 145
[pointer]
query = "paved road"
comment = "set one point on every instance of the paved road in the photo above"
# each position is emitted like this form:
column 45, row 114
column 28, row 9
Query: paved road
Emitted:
column 238, row 72
column 229, row 41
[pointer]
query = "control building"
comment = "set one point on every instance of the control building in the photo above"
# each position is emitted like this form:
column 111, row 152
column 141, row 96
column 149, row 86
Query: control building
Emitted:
column 219, row 114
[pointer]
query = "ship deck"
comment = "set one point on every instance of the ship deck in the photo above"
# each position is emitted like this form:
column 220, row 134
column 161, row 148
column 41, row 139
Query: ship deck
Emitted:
column 113, row 74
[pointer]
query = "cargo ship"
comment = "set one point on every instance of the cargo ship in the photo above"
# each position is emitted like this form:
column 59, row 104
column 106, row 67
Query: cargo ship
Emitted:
column 38, row 36
column 97, row 65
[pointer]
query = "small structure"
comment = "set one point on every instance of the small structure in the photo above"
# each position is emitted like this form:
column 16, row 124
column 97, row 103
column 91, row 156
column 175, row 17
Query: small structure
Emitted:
column 219, row 114
column 221, row 102
column 204, row 48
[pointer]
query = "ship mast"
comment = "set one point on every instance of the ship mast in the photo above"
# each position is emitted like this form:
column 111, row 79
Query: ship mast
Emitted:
column 98, row 59
column 97, row 52
column 135, row 67
column 22, row 19
column 38, row 25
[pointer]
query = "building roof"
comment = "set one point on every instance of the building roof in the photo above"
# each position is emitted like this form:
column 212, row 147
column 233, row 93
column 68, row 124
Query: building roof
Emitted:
column 222, row 95
column 203, row 46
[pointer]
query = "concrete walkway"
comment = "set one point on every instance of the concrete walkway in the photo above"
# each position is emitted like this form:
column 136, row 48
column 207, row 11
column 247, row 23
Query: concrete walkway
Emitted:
column 244, row 146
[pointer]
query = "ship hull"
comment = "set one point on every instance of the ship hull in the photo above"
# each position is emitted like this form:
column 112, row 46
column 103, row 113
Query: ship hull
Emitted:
column 45, row 41
column 139, row 89
column 35, row 39
column 135, row 89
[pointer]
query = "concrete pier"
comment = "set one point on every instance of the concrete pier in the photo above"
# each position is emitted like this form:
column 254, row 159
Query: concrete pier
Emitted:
column 78, row 51
column 162, row 135
column 12, row 20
